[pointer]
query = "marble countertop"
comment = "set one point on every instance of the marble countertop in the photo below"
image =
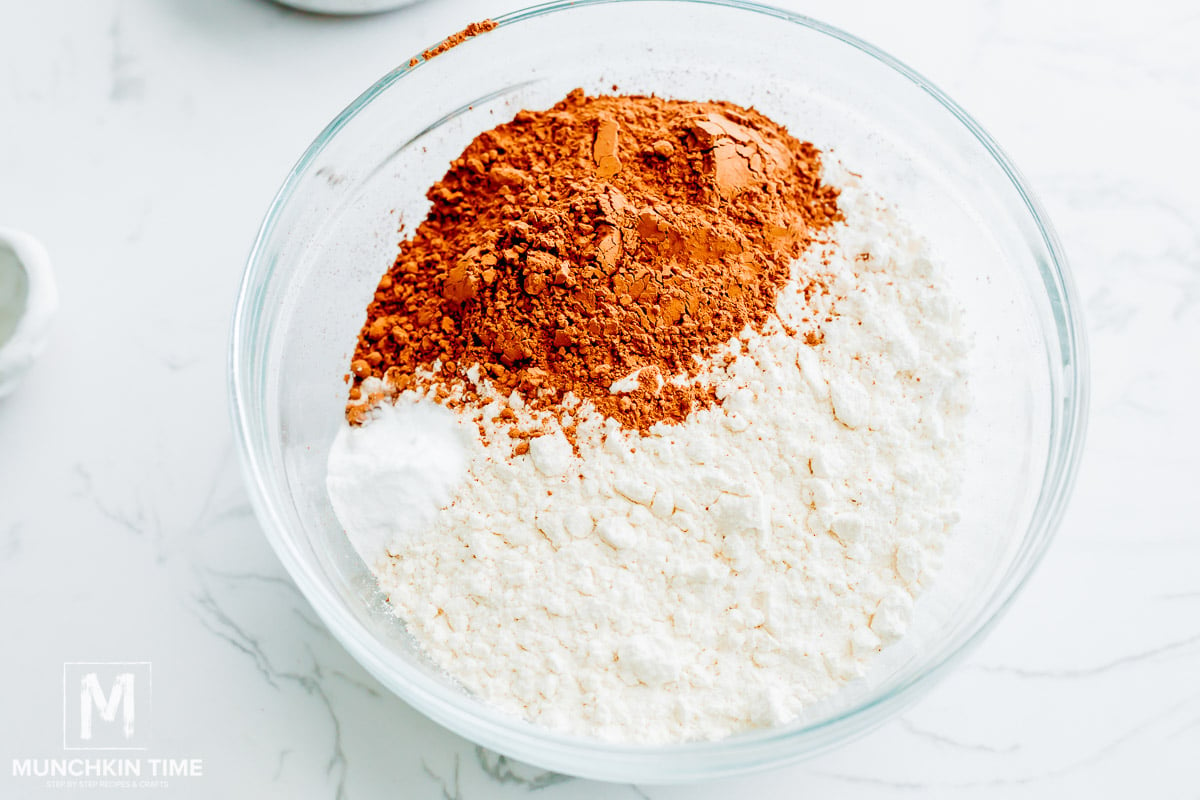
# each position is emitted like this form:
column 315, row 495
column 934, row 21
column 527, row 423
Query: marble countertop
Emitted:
column 141, row 141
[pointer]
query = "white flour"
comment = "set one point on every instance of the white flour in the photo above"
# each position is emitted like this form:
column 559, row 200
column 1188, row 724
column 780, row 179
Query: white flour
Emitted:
column 713, row 576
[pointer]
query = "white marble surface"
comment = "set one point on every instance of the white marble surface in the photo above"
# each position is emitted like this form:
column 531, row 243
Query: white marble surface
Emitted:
column 141, row 140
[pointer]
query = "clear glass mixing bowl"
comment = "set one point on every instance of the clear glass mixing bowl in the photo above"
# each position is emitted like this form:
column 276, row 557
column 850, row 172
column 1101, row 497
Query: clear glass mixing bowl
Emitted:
column 333, row 230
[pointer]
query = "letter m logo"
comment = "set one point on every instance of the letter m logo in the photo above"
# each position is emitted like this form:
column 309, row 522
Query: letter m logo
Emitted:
column 105, row 705
column 92, row 698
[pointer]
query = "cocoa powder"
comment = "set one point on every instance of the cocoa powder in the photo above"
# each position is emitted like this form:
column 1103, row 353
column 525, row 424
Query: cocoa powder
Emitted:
column 455, row 39
column 572, row 247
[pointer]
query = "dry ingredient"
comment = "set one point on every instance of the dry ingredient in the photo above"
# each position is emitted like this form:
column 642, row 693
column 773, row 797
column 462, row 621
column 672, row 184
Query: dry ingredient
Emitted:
column 455, row 39
column 647, row 574
column 606, row 236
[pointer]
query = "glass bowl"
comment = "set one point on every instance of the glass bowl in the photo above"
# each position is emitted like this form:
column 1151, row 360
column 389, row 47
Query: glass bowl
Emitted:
column 333, row 230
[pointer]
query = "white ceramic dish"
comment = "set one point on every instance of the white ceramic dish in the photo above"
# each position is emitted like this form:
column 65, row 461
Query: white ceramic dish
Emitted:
column 28, row 300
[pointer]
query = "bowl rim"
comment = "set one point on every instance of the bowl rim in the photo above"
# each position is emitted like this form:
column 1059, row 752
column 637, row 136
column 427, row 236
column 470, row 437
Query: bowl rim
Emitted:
column 500, row 730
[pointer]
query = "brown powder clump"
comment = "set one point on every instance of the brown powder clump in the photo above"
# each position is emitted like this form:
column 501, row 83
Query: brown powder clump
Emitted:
column 455, row 39
column 571, row 247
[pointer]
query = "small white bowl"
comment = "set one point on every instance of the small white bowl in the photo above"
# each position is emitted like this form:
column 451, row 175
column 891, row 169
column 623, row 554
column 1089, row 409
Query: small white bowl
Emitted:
column 345, row 7
column 28, row 299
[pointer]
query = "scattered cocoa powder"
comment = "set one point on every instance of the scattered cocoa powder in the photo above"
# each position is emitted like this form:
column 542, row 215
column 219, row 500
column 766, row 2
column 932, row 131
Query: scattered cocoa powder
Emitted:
column 571, row 247
column 455, row 39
